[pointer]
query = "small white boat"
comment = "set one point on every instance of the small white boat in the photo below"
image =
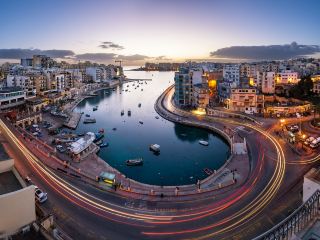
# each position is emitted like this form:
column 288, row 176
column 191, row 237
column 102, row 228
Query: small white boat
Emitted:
column 204, row 143
column 155, row 148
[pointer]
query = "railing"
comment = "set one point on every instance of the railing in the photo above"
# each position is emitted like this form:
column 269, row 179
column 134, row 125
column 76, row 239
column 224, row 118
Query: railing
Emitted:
column 295, row 222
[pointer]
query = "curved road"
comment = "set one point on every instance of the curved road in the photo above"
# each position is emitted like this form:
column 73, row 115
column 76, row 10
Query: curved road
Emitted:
column 88, row 213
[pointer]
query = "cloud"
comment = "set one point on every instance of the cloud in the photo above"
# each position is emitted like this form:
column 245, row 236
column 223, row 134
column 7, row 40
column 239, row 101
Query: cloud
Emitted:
column 111, row 45
column 135, row 57
column 99, row 57
column 17, row 53
column 162, row 58
column 271, row 52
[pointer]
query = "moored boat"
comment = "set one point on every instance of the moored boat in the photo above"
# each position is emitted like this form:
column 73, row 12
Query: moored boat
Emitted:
column 104, row 145
column 134, row 162
column 140, row 122
column 87, row 115
column 208, row 171
column 95, row 108
column 98, row 136
column 129, row 112
column 122, row 112
column 155, row 148
column 139, row 105
column 89, row 120
column 204, row 143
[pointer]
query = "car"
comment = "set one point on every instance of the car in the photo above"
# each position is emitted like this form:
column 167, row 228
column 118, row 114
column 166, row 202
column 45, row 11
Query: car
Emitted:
column 40, row 196
column 60, row 148
column 27, row 179
column 309, row 140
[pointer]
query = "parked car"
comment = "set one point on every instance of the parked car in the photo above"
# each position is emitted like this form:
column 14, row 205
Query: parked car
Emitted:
column 315, row 143
column 60, row 148
column 309, row 140
column 40, row 196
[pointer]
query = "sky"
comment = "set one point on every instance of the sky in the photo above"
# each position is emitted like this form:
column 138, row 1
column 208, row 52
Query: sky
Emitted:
column 166, row 30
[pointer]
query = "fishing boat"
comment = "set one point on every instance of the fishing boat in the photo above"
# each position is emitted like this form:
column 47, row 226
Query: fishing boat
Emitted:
column 129, row 112
column 104, row 145
column 134, row 162
column 95, row 108
column 89, row 120
column 155, row 148
column 122, row 112
column 87, row 115
column 204, row 143
column 208, row 171
column 139, row 105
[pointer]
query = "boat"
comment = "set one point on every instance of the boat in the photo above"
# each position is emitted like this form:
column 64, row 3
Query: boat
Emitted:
column 155, row 148
column 208, row 171
column 82, row 143
column 81, row 134
column 122, row 112
column 141, row 89
column 104, row 145
column 139, row 105
column 140, row 122
column 134, row 162
column 129, row 113
column 204, row 143
column 98, row 136
column 156, row 117
column 89, row 120
column 99, row 142
column 87, row 115
column 95, row 108
column 101, row 130
column 114, row 129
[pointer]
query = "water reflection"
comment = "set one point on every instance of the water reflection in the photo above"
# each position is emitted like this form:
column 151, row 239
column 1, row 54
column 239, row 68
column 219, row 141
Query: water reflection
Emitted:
column 190, row 134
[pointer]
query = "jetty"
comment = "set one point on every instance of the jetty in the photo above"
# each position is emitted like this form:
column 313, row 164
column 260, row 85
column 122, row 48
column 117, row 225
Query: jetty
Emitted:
column 73, row 120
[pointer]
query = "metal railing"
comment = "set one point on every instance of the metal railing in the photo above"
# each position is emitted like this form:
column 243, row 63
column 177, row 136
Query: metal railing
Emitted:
column 298, row 220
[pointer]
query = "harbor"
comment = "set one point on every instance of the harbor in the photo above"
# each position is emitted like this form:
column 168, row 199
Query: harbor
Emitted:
column 131, row 126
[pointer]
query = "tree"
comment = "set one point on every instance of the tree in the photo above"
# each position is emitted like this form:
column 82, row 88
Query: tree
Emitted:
column 303, row 89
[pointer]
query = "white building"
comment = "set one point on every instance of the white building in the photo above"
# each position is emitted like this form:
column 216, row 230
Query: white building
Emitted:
column 23, row 82
column 231, row 74
column 196, row 76
column 287, row 77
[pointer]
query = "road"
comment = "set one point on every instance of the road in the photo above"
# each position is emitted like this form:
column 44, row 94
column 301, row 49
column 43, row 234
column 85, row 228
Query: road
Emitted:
column 85, row 212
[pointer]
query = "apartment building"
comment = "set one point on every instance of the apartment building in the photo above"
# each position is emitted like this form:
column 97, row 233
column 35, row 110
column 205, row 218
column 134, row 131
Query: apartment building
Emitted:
column 287, row 77
column 183, row 95
column 316, row 83
column 265, row 81
column 201, row 95
column 98, row 74
column 245, row 100
column 231, row 74
column 24, row 82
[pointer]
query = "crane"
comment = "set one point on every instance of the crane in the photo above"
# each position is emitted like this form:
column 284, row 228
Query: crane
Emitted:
column 119, row 61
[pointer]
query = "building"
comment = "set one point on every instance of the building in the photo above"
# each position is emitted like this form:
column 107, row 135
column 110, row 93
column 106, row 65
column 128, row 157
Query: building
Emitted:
column 26, row 62
column 17, row 201
column 11, row 97
column 24, row 82
column 41, row 83
column 183, row 88
column 311, row 183
column 98, row 74
column 287, row 77
column 265, row 81
column 316, row 84
column 201, row 95
column 42, row 61
column 245, row 100
column 231, row 74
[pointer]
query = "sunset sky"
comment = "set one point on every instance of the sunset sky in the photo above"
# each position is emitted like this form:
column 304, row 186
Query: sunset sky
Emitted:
column 138, row 30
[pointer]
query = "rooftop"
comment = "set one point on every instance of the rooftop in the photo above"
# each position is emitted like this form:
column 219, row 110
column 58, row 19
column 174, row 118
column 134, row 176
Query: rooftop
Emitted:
column 9, row 183
column 313, row 174
column 3, row 154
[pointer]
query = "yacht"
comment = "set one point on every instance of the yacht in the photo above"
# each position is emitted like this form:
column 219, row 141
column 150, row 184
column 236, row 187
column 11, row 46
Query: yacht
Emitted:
column 155, row 148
